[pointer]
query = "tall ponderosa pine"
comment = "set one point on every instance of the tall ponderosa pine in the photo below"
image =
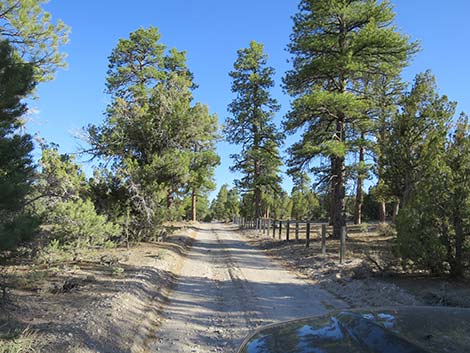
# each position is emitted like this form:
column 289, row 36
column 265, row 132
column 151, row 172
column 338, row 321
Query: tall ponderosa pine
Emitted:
column 251, row 126
column 335, row 44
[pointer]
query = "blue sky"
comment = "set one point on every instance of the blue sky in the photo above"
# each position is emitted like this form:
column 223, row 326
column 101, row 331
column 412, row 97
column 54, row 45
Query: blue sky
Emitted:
column 211, row 31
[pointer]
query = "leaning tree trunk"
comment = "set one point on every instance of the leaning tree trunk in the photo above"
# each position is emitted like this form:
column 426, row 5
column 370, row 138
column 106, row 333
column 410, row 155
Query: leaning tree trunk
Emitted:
column 193, row 205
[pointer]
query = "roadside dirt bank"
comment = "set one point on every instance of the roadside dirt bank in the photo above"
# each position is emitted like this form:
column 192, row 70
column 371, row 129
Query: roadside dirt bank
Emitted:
column 110, row 302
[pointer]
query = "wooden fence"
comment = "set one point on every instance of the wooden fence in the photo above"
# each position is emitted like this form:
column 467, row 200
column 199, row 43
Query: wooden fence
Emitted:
column 293, row 230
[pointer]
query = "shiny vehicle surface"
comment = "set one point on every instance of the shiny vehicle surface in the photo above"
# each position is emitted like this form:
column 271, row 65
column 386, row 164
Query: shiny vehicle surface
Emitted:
column 384, row 330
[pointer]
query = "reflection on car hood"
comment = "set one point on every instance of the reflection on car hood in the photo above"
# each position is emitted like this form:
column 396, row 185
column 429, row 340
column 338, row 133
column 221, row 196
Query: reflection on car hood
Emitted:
column 400, row 330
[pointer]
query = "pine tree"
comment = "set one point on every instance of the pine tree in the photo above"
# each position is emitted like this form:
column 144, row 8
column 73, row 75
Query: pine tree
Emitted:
column 433, row 227
column 204, row 158
column 251, row 126
column 35, row 38
column 415, row 135
column 336, row 44
column 16, row 164
column 385, row 92
column 218, row 206
column 151, row 135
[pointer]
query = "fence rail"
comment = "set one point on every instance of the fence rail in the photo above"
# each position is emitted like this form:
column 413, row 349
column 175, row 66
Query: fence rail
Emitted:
column 300, row 230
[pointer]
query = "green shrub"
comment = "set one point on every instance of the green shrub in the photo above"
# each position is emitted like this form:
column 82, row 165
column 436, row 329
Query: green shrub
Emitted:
column 421, row 237
column 76, row 223
column 54, row 252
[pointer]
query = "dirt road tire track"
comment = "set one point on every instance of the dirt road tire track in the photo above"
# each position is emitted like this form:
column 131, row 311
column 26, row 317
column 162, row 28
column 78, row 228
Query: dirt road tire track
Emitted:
column 227, row 288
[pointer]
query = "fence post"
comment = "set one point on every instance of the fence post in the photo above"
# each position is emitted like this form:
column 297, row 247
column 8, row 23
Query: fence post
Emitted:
column 287, row 230
column 307, row 239
column 342, row 246
column 323, row 239
column 274, row 228
column 280, row 229
column 296, row 231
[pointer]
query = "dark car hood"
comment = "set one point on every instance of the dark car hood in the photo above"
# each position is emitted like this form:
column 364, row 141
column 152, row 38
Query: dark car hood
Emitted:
column 399, row 330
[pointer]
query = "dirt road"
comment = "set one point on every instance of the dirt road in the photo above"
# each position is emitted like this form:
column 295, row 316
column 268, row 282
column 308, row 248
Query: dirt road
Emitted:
column 227, row 288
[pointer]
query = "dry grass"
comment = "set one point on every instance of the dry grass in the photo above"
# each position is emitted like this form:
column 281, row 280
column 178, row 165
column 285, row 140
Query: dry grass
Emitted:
column 25, row 341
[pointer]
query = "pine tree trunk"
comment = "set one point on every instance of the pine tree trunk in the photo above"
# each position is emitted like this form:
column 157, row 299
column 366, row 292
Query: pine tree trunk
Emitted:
column 381, row 142
column 338, row 178
column 359, row 200
column 338, row 196
column 332, row 206
column 332, row 196
column 396, row 209
column 359, row 194
column 258, row 211
column 382, row 212
column 193, row 205
column 169, row 200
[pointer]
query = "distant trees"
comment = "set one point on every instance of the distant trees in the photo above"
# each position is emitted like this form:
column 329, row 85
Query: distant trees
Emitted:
column 305, row 203
column 159, row 145
column 335, row 45
column 250, row 126
column 226, row 204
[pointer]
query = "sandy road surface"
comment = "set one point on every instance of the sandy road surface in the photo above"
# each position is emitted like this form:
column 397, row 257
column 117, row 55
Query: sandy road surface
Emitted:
column 227, row 288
